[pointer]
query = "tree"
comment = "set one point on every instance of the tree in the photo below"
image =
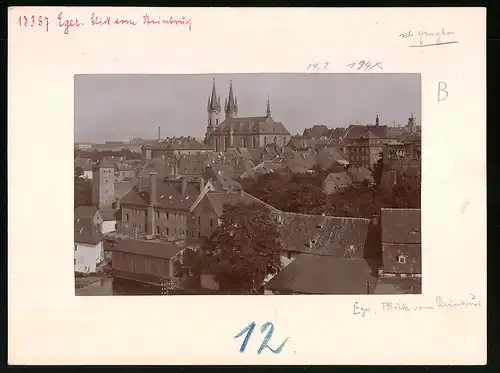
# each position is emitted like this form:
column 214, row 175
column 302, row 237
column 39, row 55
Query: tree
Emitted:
column 83, row 192
column 244, row 250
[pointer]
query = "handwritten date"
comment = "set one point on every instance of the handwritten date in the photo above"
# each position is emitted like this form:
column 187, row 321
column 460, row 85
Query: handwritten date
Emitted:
column 366, row 65
column 317, row 66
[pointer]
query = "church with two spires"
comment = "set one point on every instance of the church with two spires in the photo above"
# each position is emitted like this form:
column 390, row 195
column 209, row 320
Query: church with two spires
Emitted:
column 240, row 132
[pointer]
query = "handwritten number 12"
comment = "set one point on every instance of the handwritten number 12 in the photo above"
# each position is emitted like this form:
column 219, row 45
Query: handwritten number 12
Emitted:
column 249, row 330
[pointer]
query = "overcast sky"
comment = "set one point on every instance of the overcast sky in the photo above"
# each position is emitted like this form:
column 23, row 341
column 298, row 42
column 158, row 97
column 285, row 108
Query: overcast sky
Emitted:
column 120, row 107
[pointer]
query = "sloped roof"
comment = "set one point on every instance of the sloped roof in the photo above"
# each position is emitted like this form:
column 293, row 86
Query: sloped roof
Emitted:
column 222, row 175
column 249, row 125
column 334, row 236
column 329, row 157
column 398, row 285
column 218, row 199
column 193, row 164
column 314, row 274
column 299, row 162
column 86, row 232
column 318, row 130
column 178, row 143
column 164, row 250
column 168, row 192
column 163, row 167
column 341, row 179
column 123, row 187
column 360, row 174
column 354, row 131
column 401, row 226
column 85, row 211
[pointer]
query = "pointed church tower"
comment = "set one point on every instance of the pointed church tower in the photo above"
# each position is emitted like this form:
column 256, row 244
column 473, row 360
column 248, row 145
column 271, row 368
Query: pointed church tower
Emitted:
column 377, row 120
column 231, row 107
column 268, row 110
column 213, row 109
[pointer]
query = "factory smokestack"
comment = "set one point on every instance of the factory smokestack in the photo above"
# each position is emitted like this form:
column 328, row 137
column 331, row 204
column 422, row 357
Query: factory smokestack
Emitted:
column 158, row 132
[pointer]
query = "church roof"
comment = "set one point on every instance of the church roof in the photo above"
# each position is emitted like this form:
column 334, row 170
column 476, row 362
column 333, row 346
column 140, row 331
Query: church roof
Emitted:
column 250, row 125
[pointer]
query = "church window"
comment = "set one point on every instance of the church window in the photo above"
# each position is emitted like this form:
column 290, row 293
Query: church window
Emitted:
column 254, row 142
column 217, row 121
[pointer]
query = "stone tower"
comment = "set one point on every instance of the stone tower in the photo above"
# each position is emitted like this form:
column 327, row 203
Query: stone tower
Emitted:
column 411, row 124
column 213, row 109
column 103, row 187
column 231, row 105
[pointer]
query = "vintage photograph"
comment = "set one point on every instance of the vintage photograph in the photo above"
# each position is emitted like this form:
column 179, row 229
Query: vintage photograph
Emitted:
column 247, row 184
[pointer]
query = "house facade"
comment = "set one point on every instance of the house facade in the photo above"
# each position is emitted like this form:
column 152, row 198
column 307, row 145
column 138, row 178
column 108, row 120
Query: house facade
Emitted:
column 88, row 246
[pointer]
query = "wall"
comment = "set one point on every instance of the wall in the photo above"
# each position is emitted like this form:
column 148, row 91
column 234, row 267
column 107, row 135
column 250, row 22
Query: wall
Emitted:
column 108, row 226
column 203, row 220
column 171, row 223
column 87, row 174
column 136, row 218
column 87, row 256
column 140, row 264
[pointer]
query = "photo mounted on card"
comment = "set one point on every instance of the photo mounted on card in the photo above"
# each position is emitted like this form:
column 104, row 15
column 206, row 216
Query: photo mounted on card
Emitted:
column 235, row 194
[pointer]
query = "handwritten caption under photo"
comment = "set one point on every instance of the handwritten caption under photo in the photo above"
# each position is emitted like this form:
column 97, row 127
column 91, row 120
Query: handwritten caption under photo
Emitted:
column 362, row 65
column 439, row 303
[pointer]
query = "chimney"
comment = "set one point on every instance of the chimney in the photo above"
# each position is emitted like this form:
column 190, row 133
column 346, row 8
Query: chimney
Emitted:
column 117, row 203
column 158, row 132
column 184, row 183
column 152, row 192
column 202, row 184
column 242, row 192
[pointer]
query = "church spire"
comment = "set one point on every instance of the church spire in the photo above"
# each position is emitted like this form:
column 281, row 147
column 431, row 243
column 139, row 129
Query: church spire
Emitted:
column 377, row 120
column 231, row 107
column 268, row 111
column 213, row 103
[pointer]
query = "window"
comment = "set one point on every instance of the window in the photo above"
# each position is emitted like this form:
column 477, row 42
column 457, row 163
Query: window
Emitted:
column 166, row 215
column 75, row 248
column 254, row 142
column 199, row 220
column 198, row 234
column 175, row 230
column 166, row 231
column 211, row 223
column 157, row 230
column 401, row 259
column 158, row 214
column 289, row 255
column 75, row 261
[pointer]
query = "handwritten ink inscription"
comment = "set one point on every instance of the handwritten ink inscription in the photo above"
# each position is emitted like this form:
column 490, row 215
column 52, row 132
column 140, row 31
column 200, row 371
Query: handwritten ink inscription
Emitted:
column 318, row 66
column 396, row 307
column 365, row 65
column 429, row 39
column 66, row 23
column 442, row 92
column 265, row 343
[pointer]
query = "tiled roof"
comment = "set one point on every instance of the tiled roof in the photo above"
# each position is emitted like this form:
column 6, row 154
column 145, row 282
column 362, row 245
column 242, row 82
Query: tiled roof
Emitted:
column 218, row 199
column 250, row 125
column 401, row 226
column 300, row 142
column 163, row 167
column 398, row 285
column 314, row 274
column 337, row 133
column 85, row 211
column 168, row 192
column 360, row 174
column 333, row 236
column 329, row 157
column 299, row 162
column 110, row 215
column 316, row 131
column 86, row 232
column 341, row 179
column 355, row 131
column 193, row 164
column 164, row 250
column 123, row 187
column 223, row 177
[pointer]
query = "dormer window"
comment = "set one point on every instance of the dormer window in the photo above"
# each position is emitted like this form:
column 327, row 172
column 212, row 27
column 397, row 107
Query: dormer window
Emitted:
column 401, row 259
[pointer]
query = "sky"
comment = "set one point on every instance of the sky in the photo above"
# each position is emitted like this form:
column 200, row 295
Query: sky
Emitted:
column 120, row 107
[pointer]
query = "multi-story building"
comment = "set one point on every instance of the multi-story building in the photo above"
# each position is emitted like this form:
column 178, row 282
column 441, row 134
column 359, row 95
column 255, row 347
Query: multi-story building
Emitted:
column 103, row 187
column 160, row 206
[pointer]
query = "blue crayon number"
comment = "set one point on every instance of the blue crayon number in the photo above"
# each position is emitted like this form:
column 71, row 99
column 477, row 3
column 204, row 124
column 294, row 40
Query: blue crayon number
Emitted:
column 248, row 332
